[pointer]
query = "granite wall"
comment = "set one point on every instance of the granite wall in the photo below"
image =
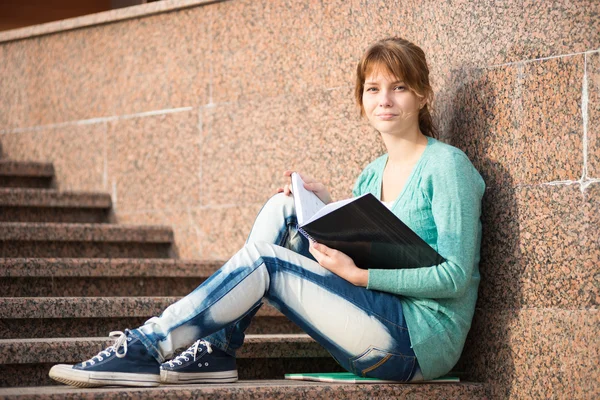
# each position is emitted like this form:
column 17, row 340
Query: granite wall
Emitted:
column 188, row 118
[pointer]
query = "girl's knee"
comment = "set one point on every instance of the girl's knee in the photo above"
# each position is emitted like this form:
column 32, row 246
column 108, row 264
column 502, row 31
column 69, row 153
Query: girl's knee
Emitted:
column 280, row 201
column 259, row 249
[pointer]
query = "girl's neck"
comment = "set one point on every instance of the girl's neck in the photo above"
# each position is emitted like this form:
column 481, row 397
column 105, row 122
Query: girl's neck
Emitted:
column 404, row 149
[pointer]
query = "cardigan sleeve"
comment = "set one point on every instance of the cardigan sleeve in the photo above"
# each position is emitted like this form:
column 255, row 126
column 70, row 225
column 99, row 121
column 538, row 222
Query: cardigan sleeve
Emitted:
column 455, row 190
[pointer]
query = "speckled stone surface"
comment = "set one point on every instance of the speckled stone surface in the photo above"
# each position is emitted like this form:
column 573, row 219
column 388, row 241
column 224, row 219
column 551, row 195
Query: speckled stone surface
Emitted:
column 98, row 287
column 162, row 175
column 535, row 353
column 483, row 118
column 84, row 232
column 498, row 33
column 120, row 14
column 590, row 290
column 534, row 248
column 551, row 131
column 82, row 307
column 19, row 240
column 19, row 328
column 516, row 130
column 261, row 390
column 593, row 126
column 77, row 153
column 68, row 350
column 25, row 182
column 187, row 233
column 315, row 140
column 209, row 233
column 77, row 267
column 26, row 168
column 54, row 214
column 64, row 327
column 54, row 317
column 247, row 56
column 93, row 307
column 73, row 249
column 122, row 74
column 25, row 174
column 274, row 90
column 14, row 102
column 53, row 198
column 222, row 231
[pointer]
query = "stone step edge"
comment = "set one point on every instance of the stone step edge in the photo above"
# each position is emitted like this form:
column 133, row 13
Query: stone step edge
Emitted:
column 72, row 232
column 263, row 389
column 26, row 168
column 94, row 307
column 74, row 350
column 50, row 198
column 107, row 267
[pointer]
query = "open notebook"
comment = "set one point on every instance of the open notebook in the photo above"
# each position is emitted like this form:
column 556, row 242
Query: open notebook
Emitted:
column 363, row 228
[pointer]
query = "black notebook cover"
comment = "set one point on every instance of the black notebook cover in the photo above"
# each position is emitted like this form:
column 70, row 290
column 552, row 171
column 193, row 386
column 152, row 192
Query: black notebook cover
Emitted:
column 368, row 232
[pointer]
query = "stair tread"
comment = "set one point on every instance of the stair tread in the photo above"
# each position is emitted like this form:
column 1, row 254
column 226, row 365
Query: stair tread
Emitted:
column 70, row 350
column 26, row 168
column 30, row 197
column 94, row 307
column 262, row 389
column 73, row 232
column 106, row 267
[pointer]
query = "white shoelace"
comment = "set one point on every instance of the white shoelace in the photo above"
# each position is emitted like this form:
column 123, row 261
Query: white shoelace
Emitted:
column 121, row 341
column 191, row 351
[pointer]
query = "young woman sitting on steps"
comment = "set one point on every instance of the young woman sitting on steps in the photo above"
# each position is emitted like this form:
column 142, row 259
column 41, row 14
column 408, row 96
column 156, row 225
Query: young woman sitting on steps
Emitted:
column 404, row 324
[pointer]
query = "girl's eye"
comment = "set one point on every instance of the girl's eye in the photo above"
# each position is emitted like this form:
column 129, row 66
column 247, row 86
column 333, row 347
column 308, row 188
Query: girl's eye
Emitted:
column 371, row 89
column 400, row 88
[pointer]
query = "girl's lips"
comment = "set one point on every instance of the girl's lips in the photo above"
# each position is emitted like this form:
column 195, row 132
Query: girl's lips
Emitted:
column 386, row 116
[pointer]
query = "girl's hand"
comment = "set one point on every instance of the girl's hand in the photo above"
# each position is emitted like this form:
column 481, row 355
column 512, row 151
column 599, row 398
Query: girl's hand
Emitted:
column 309, row 184
column 339, row 263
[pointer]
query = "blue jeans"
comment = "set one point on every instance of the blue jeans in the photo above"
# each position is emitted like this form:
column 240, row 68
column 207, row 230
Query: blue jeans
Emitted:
column 364, row 330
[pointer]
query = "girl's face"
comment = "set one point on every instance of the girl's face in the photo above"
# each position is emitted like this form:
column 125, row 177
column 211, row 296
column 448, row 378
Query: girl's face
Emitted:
column 389, row 105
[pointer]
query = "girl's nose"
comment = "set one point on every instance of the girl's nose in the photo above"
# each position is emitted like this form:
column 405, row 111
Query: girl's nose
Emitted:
column 385, row 99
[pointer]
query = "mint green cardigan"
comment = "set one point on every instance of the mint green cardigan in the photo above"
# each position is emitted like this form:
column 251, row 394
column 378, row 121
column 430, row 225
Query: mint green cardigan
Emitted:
column 441, row 202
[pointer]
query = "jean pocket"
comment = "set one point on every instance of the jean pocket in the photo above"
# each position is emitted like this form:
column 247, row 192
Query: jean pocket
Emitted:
column 381, row 364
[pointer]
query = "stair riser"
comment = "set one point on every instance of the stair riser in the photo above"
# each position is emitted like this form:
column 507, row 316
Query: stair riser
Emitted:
column 97, row 286
column 93, row 327
column 53, row 214
column 257, row 390
column 40, row 249
column 25, row 182
column 269, row 368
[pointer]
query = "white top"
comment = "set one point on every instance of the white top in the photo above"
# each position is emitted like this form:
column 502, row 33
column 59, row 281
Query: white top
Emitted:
column 388, row 204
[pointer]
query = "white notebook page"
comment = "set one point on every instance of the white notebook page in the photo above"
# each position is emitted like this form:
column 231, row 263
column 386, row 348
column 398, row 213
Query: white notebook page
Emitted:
column 307, row 203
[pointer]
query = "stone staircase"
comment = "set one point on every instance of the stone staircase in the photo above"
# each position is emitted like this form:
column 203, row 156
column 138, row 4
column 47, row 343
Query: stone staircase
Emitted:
column 68, row 276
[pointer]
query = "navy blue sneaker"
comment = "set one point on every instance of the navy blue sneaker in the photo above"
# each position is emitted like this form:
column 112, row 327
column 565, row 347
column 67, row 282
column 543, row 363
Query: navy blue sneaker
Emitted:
column 200, row 364
column 126, row 363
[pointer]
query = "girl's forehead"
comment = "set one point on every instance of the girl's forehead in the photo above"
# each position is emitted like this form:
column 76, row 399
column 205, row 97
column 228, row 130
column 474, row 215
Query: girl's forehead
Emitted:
column 377, row 71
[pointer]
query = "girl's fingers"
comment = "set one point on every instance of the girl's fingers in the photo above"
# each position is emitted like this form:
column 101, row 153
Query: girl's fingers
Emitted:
column 305, row 178
column 313, row 186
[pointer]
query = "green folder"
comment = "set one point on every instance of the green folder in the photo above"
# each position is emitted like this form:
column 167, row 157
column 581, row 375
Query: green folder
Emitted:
column 347, row 377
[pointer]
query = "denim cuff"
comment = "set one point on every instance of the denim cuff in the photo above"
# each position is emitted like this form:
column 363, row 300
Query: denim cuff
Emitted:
column 153, row 350
column 219, row 345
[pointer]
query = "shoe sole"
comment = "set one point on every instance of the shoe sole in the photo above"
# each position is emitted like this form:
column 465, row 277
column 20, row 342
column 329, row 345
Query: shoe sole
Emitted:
column 85, row 379
column 198, row 377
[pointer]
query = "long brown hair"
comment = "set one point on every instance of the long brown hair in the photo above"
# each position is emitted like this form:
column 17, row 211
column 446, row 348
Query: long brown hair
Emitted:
column 406, row 61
